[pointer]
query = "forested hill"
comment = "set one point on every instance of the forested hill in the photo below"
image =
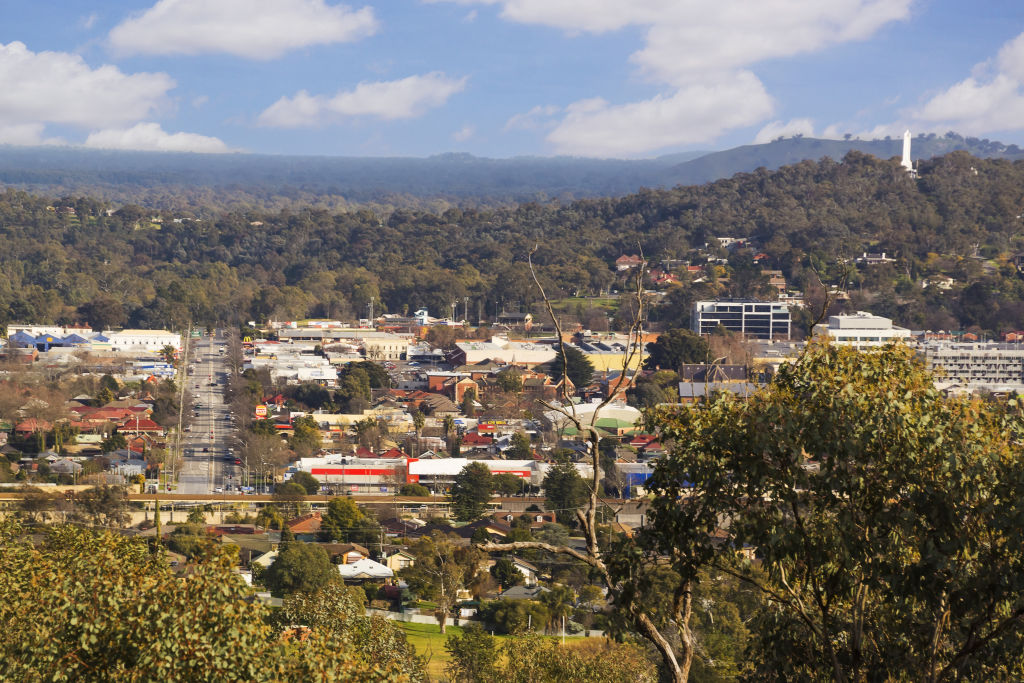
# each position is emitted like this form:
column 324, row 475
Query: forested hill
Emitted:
column 244, row 181
column 960, row 219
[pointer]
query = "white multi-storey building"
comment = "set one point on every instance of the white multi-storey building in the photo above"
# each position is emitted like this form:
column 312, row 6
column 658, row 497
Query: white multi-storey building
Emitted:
column 861, row 330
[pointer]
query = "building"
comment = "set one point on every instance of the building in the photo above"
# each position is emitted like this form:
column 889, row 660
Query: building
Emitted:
column 502, row 350
column 749, row 317
column 861, row 330
column 996, row 367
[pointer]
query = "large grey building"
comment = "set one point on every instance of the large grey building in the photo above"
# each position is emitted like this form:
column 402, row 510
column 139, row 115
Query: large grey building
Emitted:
column 992, row 366
column 749, row 317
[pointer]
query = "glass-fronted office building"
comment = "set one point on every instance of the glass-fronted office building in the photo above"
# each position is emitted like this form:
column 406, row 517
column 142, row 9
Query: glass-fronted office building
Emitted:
column 749, row 317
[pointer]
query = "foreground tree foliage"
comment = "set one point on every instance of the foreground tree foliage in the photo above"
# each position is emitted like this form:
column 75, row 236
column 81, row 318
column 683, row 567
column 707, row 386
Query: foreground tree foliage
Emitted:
column 85, row 606
column 885, row 517
column 529, row 658
column 339, row 611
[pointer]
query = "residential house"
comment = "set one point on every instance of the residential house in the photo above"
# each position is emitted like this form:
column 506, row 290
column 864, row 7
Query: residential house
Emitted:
column 628, row 261
column 364, row 569
column 399, row 560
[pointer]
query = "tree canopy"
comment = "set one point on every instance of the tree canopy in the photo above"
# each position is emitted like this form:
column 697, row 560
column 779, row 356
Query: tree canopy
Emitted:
column 300, row 568
column 578, row 368
column 881, row 512
column 94, row 606
column 675, row 347
column 471, row 491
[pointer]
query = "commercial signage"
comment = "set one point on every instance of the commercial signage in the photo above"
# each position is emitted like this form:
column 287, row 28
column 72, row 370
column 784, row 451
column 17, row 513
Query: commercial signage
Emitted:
column 261, row 411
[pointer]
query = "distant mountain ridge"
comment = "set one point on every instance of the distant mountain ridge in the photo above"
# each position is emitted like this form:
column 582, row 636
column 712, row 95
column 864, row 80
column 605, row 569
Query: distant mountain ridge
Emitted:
column 159, row 179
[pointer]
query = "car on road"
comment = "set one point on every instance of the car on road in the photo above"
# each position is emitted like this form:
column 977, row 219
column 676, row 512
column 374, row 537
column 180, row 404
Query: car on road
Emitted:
column 206, row 450
column 218, row 490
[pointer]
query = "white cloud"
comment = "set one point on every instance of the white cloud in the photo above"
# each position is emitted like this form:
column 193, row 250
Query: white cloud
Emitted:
column 151, row 137
column 701, row 52
column 402, row 99
column 537, row 118
column 464, row 133
column 786, row 129
column 690, row 115
column 89, row 21
column 57, row 87
column 687, row 38
column 26, row 134
column 200, row 100
column 256, row 29
column 990, row 100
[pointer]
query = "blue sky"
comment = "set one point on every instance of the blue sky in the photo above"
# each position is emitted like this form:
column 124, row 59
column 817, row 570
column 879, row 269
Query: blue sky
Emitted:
column 500, row 78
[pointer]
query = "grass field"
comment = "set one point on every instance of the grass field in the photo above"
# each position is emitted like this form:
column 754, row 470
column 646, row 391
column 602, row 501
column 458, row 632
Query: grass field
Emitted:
column 429, row 643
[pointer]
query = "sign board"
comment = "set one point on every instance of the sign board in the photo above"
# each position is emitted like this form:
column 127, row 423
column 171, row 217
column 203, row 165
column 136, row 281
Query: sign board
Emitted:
column 261, row 411
column 353, row 487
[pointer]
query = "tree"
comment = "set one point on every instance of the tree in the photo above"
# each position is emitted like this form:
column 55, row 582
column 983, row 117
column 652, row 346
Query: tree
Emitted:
column 96, row 606
column 113, row 442
column 468, row 405
column 414, row 490
column 345, row 521
column 509, row 380
column 191, row 540
column 300, row 568
column 471, row 491
column 290, row 494
column 340, row 612
column 196, row 516
column 305, row 439
column 674, row 348
column 105, row 506
column 418, row 420
column 474, row 656
column 565, row 490
column 307, row 481
column 508, row 484
column 520, row 448
column 442, row 568
column 269, row 517
column 875, row 504
column 506, row 574
column 578, row 367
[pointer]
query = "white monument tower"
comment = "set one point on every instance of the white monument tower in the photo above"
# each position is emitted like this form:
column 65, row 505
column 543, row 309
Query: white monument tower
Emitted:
column 906, row 162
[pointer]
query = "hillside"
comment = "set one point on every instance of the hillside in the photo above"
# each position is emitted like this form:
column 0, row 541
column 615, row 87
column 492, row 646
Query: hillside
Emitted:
column 194, row 181
column 68, row 260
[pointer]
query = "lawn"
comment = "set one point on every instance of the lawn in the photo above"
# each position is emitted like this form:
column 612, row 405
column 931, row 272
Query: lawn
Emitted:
column 429, row 643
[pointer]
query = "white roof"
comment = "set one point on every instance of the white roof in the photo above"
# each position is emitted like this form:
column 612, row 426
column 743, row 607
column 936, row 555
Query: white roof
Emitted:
column 364, row 569
column 452, row 466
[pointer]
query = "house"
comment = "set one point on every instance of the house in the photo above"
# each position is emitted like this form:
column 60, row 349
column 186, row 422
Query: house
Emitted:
column 365, row 570
column 523, row 593
column 529, row 571
column 695, row 392
column 65, row 466
column 399, row 560
column 628, row 261
column 305, row 527
column 524, row 320
column 537, row 519
column 870, row 259
column 346, row 553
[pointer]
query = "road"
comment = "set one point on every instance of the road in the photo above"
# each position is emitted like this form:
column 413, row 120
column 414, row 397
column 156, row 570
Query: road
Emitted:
column 205, row 468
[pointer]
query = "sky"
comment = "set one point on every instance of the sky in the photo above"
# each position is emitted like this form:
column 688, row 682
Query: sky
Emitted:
column 503, row 78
